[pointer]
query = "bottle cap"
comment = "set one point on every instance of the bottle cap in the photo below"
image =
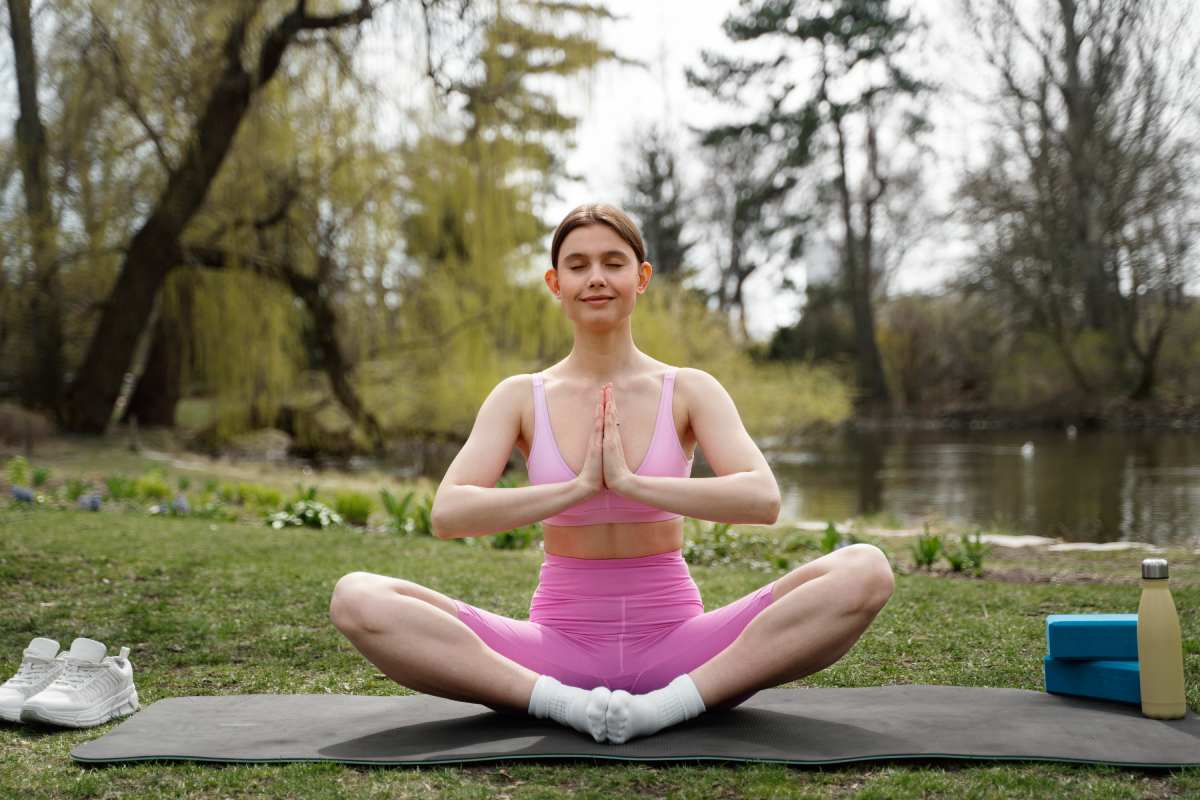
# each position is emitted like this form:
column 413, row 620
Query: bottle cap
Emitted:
column 1154, row 568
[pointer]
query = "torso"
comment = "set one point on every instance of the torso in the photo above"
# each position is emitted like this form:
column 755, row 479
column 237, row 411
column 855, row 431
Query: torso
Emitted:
column 637, row 399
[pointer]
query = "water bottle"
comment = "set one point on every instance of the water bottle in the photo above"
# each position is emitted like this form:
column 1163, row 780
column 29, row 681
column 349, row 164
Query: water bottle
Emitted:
column 1160, row 645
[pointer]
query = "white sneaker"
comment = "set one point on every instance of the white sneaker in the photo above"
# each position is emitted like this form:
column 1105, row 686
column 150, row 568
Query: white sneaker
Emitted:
column 39, row 668
column 89, row 691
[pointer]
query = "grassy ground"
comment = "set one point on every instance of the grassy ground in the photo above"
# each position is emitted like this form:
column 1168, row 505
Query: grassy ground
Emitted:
column 225, row 608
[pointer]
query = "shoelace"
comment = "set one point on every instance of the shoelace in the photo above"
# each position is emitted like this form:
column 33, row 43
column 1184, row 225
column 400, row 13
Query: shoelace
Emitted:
column 76, row 674
column 32, row 671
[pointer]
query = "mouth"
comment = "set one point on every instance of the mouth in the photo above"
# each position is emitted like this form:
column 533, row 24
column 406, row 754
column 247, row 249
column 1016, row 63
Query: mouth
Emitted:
column 596, row 301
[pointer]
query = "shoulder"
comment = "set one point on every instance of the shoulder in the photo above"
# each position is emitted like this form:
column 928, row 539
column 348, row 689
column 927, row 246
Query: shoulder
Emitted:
column 511, row 393
column 696, row 383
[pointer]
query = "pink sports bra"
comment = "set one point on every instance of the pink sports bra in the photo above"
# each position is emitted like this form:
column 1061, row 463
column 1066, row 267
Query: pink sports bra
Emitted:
column 664, row 458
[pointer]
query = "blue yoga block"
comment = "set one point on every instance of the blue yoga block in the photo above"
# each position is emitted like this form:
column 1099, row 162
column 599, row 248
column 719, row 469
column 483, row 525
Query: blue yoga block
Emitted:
column 1107, row 680
column 1102, row 637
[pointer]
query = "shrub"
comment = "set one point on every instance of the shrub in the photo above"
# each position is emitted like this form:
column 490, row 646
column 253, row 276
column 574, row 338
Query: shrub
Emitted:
column 423, row 517
column 515, row 539
column 397, row 510
column 355, row 507
column 305, row 513
column 974, row 551
column 830, row 538
column 927, row 548
column 954, row 556
column 261, row 497
column 17, row 470
column 183, row 483
column 152, row 486
column 40, row 475
column 120, row 487
column 76, row 488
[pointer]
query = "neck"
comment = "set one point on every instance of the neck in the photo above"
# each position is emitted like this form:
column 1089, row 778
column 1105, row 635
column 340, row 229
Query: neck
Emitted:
column 603, row 355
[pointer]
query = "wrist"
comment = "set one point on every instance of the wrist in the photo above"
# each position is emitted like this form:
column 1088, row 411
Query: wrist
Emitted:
column 626, row 485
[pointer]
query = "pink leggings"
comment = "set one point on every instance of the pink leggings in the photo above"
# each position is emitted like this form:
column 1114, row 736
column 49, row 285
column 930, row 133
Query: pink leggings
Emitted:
column 625, row 623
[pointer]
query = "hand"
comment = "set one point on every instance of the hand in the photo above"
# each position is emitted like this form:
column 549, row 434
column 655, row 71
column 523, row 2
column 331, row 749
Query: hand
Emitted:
column 616, row 469
column 591, row 474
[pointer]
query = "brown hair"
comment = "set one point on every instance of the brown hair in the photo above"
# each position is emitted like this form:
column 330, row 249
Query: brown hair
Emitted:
column 598, row 214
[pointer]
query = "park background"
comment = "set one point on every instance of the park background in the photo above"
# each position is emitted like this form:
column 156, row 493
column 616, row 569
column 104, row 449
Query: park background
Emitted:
column 262, row 260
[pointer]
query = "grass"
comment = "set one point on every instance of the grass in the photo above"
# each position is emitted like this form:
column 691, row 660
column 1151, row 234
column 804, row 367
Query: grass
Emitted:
column 226, row 608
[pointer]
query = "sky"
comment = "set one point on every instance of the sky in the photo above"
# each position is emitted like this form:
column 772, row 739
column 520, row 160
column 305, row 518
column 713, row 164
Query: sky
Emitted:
column 668, row 36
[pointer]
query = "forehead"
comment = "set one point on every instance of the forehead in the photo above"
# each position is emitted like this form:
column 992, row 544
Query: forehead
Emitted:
column 589, row 240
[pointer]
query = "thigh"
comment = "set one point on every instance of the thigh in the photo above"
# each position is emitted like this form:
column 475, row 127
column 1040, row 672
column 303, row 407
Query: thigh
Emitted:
column 383, row 583
column 698, row 639
column 536, row 646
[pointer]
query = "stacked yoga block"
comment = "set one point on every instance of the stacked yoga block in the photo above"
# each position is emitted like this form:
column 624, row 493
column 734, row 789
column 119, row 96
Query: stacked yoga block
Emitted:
column 1093, row 655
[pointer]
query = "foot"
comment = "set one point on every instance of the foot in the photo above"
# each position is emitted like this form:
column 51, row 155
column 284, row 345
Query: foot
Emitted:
column 633, row 715
column 581, row 709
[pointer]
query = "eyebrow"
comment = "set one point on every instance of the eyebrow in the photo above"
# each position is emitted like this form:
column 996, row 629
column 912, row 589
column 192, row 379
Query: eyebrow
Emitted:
column 606, row 254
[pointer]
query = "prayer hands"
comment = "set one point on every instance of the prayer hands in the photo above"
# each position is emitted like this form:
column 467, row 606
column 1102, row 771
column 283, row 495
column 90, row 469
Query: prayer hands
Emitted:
column 604, row 466
column 616, row 469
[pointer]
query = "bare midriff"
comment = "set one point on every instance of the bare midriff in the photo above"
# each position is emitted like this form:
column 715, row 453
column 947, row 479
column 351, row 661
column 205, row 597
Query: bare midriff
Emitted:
column 613, row 539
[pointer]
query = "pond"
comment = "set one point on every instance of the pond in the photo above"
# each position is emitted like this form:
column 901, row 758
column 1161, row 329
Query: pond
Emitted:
column 1094, row 486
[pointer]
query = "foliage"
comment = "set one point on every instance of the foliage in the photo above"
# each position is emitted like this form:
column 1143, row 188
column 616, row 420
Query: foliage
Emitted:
column 40, row 475
column 120, row 487
column 17, row 470
column 974, row 551
column 657, row 202
column 258, row 496
column 720, row 544
column 76, row 488
column 926, row 548
column 354, row 507
column 305, row 513
column 397, row 510
column 152, row 486
column 832, row 539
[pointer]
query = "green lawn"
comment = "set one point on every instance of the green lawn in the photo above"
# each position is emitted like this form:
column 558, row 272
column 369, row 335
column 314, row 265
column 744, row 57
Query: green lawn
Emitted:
column 225, row 608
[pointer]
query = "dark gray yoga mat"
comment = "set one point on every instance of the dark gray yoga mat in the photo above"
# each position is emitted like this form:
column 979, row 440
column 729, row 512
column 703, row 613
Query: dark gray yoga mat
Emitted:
column 797, row 726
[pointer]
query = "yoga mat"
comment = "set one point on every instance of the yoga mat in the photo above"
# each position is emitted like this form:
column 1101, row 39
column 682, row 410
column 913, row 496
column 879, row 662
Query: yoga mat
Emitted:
column 794, row 726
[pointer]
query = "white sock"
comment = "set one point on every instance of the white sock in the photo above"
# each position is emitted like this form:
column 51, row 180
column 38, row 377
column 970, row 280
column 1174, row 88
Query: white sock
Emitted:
column 633, row 715
column 571, row 706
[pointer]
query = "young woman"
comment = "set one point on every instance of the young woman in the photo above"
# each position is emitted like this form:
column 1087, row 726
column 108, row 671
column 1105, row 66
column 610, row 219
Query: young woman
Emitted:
column 617, row 644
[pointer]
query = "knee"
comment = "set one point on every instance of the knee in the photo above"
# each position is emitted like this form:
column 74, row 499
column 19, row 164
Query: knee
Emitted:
column 351, row 596
column 869, row 577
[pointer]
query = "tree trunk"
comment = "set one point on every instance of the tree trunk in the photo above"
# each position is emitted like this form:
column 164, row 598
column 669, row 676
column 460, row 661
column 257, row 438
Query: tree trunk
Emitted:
column 155, row 249
column 872, row 392
column 41, row 373
column 161, row 385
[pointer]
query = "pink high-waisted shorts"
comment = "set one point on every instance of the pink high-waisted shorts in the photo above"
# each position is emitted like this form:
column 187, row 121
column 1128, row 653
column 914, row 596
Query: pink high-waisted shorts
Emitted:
column 625, row 623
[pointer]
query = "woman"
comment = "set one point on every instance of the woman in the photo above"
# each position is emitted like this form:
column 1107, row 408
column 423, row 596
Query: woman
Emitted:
column 617, row 644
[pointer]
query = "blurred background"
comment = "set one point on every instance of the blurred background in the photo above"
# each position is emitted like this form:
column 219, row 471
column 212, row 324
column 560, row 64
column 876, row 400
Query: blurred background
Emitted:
column 943, row 254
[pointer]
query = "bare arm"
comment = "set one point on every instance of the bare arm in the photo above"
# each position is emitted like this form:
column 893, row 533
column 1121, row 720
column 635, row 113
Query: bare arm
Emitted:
column 467, row 502
column 744, row 489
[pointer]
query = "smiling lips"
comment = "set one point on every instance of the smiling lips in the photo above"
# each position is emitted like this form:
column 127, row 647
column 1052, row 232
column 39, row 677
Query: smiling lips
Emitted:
column 596, row 300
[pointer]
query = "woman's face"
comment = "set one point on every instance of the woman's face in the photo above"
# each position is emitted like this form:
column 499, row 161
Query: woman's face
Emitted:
column 598, row 277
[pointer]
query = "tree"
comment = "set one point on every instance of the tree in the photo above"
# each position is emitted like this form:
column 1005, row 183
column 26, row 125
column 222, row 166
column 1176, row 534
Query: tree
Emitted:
column 43, row 368
column 655, row 198
column 1085, row 205
column 858, row 114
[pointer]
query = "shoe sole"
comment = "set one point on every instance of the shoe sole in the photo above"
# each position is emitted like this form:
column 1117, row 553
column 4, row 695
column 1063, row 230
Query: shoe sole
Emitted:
column 121, row 705
column 10, row 716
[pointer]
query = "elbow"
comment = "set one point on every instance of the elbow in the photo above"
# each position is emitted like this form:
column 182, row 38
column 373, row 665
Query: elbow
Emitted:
column 771, row 507
column 439, row 524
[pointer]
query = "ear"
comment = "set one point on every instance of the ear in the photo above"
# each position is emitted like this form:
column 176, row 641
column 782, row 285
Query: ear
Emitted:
column 551, row 278
column 644, row 273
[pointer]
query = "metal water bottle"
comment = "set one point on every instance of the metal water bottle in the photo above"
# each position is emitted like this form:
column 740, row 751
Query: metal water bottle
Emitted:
column 1160, row 645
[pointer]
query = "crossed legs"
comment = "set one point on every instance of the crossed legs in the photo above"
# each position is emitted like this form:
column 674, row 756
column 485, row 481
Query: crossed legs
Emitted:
column 413, row 634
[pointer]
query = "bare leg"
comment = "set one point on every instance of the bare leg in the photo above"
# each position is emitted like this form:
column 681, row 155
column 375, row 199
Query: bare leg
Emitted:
column 414, row 636
column 819, row 611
